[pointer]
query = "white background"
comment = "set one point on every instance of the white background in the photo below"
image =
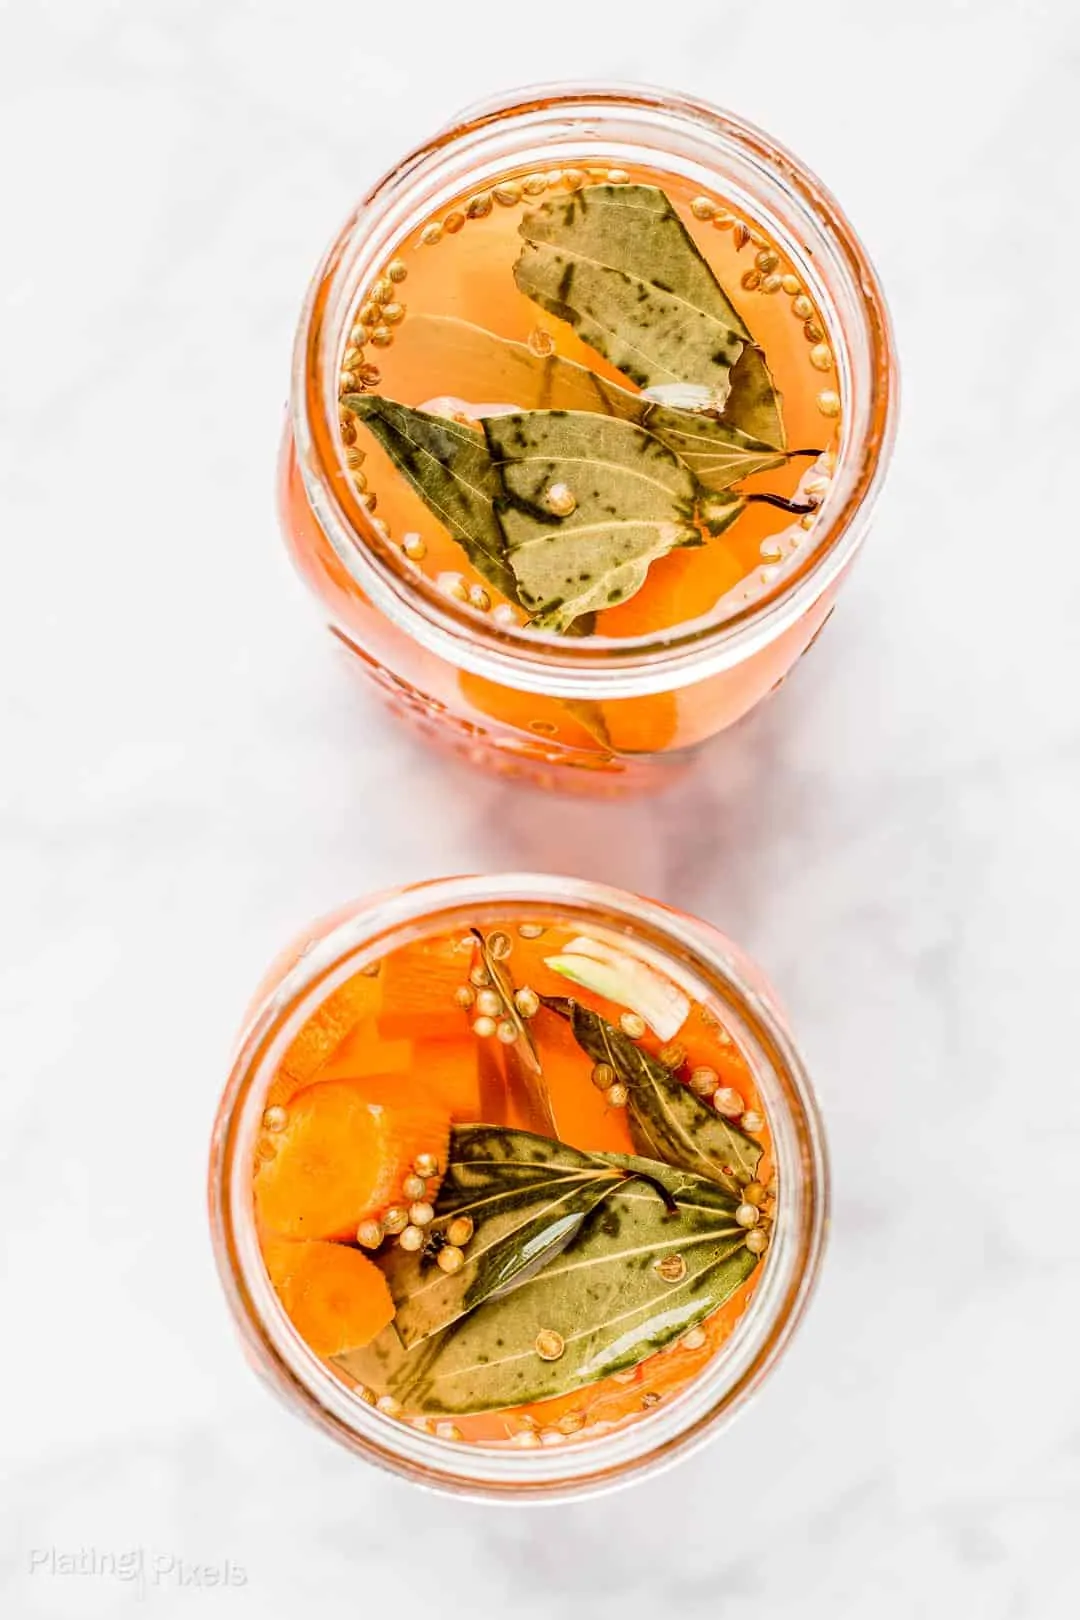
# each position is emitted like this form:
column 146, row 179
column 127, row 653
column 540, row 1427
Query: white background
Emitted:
column 188, row 775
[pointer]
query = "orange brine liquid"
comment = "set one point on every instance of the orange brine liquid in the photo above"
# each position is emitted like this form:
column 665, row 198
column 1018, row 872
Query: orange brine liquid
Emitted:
column 459, row 267
column 430, row 1089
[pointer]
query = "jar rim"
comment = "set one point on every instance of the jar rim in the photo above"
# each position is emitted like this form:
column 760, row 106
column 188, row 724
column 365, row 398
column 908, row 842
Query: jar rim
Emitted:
column 845, row 283
column 739, row 1365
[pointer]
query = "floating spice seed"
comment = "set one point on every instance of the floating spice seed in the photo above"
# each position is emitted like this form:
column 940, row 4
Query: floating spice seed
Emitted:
column 729, row 1102
column 452, row 585
column 550, row 1437
column 632, row 1024
column 352, row 357
column 369, row 501
column 533, row 185
column 382, row 529
column 397, row 270
column 454, row 222
column 617, row 1095
column 817, row 487
column 772, row 284
column 369, row 1234
column 574, row 178
column 618, row 177
column 531, row 930
column 489, row 1002
column 426, row 1165
column 703, row 208
column 348, row 433
column 464, row 996
column 445, row 1430
column 541, row 343
column 347, row 382
column 508, row 193
column 500, row 945
column 767, row 261
column 740, row 236
column 828, row 402
column 393, row 314
column 460, row 1231
column 802, row 307
column 812, row 332
column 791, row 284
column 413, row 1187
column 449, row 1259
column 754, row 1193
column 276, row 1119
column 549, row 1345
column 414, row 546
column 431, row 234
column 359, row 335
column 603, row 1076
column 479, row 976
column 704, row 1081
column 723, row 220
column 527, row 1002
column 388, row 1404
column 484, row 1026
column 651, row 1397
column 694, row 1339
column 413, row 1239
column 751, row 280
column 757, row 1241
column 371, row 313
column 672, row 1056
column 506, row 1032
column 752, row 1120
column 554, row 177
column 571, row 1423
column 370, row 376
column 747, row 1215
column 671, row 1269
column 382, row 291
column 265, row 1149
column 525, row 1439
column 561, row 500
column 478, row 207
column 364, row 1394
column 354, row 459
column 395, row 1220
column 382, row 337
column 821, row 357
column 807, row 522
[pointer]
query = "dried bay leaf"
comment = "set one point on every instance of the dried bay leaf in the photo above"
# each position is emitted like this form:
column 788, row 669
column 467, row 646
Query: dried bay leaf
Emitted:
column 667, row 1121
column 718, row 455
column 633, row 501
column 618, row 264
column 450, row 468
column 602, row 1294
column 753, row 405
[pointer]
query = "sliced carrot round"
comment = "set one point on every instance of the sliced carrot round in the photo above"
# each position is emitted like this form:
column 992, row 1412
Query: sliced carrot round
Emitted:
column 345, row 1150
column 352, row 1002
column 418, row 985
column 335, row 1297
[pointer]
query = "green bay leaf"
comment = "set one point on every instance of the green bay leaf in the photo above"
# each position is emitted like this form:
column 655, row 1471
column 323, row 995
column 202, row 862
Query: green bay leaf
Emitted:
column 618, row 264
column 527, row 1196
column 604, row 1295
column 667, row 1121
column 633, row 502
column 717, row 454
column 450, row 468
column 753, row 405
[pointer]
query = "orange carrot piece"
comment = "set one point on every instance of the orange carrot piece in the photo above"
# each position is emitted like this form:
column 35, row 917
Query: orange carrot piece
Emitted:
column 358, row 998
column 335, row 1297
column 684, row 585
column 583, row 1117
column 419, row 982
column 364, row 1051
column 344, row 1153
column 449, row 1072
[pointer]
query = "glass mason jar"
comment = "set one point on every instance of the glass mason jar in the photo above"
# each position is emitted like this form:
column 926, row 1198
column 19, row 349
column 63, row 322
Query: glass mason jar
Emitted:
column 593, row 714
column 714, row 972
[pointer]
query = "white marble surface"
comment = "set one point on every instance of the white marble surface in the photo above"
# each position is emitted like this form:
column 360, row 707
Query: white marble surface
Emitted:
column 188, row 775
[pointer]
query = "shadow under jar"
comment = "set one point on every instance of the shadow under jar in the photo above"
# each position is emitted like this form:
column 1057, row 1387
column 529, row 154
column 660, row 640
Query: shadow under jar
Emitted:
column 518, row 1186
column 591, row 399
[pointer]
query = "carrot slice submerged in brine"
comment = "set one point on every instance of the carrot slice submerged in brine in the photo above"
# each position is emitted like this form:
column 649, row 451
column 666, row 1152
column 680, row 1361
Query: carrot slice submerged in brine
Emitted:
column 358, row 998
column 344, row 1152
column 418, row 985
column 335, row 1297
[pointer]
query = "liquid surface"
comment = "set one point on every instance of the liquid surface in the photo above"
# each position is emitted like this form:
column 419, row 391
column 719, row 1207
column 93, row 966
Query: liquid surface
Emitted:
column 448, row 330
column 514, row 1186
